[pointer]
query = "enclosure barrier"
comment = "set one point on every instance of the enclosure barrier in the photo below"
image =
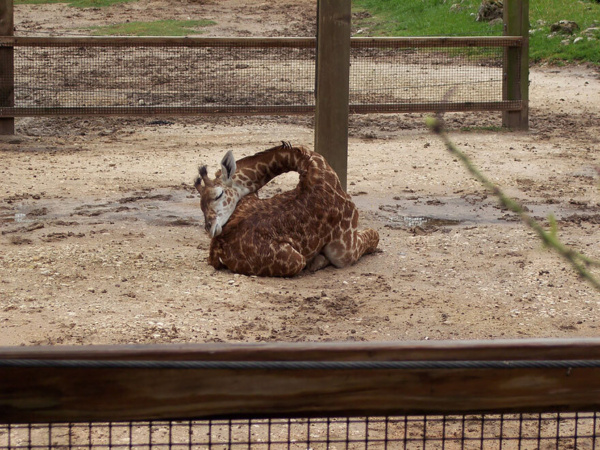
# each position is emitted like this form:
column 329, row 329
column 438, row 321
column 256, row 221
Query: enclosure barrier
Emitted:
column 180, row 76
column 447, row 394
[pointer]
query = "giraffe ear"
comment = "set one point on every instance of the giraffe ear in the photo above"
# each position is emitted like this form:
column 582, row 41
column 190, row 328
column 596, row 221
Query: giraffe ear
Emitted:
column 202, row 175
column 228, row 167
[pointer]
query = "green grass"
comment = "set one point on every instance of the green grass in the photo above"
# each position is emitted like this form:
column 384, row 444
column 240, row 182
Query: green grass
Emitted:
column 441, row 18
column 422, row 18
column 75, row 3
column 156, row 28
column 543, row 13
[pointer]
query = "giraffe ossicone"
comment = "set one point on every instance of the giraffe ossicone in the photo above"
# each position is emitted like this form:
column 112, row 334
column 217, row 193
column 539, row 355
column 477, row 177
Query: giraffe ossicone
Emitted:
column 311, row 226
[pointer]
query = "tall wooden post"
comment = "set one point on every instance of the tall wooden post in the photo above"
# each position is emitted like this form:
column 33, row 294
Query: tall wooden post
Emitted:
column 332, row 84
column 7, row 124
column 516, row 70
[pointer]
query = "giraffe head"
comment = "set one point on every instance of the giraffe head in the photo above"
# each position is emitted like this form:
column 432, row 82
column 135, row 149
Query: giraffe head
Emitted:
column 218, row 197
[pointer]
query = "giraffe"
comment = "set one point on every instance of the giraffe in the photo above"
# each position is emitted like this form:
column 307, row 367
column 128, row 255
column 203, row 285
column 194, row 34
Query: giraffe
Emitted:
column 310, row 226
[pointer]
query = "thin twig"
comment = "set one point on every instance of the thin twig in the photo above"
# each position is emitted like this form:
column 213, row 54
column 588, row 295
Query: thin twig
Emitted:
column 550, row 238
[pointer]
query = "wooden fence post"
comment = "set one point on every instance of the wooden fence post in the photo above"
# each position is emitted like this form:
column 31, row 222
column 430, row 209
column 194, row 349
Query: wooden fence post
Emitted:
column 332, row 84
column 516, row 69
column 7, row 124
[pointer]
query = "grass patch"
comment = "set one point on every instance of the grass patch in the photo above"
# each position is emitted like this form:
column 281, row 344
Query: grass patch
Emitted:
column 457, row 18
column 75, row 3
column 554, row 48
column 156, row 28
column 422, row 18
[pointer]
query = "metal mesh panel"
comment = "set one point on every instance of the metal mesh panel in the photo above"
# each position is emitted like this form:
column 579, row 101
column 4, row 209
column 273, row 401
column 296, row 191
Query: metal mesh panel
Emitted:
column 426, row 79
column 532, row 431
column 130, row 79
column 87, row 76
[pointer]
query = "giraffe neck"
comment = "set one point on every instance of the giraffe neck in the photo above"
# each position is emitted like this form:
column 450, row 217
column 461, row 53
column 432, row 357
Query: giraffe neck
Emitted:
column 253, row 172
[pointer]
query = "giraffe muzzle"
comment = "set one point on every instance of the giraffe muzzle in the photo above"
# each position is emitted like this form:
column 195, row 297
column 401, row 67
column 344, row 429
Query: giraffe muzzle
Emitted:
column 214, row 229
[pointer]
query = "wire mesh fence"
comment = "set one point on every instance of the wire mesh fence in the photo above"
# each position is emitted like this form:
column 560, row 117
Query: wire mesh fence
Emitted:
column 500, row 431
column 428, row 75
column 137, row 76
column 156, row 79
column 526, row 394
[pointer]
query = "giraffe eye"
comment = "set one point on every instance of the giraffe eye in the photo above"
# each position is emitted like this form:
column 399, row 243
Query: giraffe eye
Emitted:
column 220, row 195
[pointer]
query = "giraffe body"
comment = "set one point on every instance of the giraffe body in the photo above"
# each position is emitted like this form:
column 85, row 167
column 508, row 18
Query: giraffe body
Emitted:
column 310, row 226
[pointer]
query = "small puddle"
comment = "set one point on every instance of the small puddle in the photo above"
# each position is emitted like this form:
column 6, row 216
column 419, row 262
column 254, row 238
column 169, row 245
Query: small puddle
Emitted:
column 427, row 214
column 401, row 221
column 430, row 213
column 161, row 207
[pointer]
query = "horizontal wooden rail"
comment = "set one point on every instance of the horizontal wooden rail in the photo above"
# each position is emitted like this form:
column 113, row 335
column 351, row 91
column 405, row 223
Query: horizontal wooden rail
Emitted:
column 424, row 42
column 155, row 110
column 421, row 107
column 513, row 105
column 58, row 393
column 257, row 42
column 156, row 41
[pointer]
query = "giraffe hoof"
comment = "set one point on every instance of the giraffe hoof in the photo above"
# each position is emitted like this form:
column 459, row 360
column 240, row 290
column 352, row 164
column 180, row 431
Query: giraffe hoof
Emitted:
column 317, row 263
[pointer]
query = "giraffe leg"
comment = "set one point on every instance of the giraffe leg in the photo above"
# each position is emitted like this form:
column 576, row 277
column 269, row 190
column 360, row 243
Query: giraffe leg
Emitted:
column 317, row 263
column 275, row 259
column 214, row 256
column 350, row 246
column 370, row 240
column 285, row 261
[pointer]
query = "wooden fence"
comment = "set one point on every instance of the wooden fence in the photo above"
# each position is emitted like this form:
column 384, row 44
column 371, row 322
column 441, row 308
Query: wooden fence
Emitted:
column 74, row 384
column 332, row 104
column 432, row 48
column 515, row 69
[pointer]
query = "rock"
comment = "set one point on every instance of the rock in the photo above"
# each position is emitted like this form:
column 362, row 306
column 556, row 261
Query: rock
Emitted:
column 490, row 10
column 592, row 32
column 564, row 27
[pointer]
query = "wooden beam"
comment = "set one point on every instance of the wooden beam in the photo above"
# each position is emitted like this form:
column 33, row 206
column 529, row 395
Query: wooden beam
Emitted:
column 259, row 42
column 332, row 84
column 47, row 393
column 469, row 350
column 159, row 41
column 155, row 110
column 252, row 110
column 435, row 42
column 7, row 99
column 378, row 108
column 516, row 76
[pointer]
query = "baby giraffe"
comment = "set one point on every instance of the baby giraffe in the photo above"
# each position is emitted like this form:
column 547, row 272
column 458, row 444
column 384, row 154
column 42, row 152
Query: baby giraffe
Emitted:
column 310, row 226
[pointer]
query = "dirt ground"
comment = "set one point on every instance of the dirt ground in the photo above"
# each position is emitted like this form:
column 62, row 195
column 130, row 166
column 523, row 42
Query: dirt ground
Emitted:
column 102, row 239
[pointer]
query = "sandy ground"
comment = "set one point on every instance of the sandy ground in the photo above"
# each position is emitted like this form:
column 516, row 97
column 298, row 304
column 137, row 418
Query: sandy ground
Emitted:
column 102, row 239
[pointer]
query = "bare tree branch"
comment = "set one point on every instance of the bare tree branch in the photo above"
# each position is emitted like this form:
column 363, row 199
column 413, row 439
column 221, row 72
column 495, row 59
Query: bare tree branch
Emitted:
column 550, row 238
